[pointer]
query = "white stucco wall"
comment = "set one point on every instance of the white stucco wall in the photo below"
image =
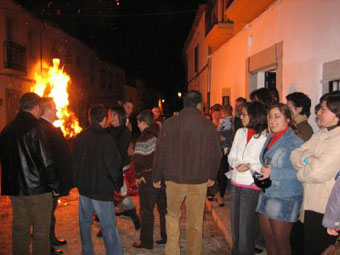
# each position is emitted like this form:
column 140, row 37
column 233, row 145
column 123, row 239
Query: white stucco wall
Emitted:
column 309, row 30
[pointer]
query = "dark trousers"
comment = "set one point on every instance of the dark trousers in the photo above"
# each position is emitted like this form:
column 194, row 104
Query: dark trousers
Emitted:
column 243, row 203
column 297, row 238
column 52, row 228
column 316, row 238
column 148, row 197
column 221, row 181
column 31, row 210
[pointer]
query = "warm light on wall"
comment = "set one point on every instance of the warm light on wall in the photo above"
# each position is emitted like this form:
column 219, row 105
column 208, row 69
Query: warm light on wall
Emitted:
column 179, row 94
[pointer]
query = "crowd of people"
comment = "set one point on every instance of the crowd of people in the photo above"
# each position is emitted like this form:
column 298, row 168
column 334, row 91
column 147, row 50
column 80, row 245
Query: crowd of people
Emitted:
column 281, row 174
column 282, row 177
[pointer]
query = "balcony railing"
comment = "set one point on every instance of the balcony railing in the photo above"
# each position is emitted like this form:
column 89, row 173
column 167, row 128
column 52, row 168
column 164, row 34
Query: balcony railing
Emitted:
column 14, row 56
column 215, row 13
column 211, row 15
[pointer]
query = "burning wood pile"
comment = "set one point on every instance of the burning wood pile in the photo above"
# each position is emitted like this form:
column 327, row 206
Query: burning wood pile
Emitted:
column 54, row 84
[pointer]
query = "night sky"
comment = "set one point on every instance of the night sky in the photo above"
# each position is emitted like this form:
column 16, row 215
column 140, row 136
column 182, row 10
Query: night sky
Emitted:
column 145, row 37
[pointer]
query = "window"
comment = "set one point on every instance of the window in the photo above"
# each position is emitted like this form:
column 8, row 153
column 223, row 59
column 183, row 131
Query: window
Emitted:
column 196, row 58
column 334, row 85
column 119, row 84
column 9, row 29
column 14, row 56
column 225, row 100
column 211, row 15
column 102, row 78
column 30, row 44
column 110, row 80
column 270, row 80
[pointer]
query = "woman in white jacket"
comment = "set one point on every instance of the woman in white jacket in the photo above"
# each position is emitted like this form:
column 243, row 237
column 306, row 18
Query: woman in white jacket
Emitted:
column 244, row 158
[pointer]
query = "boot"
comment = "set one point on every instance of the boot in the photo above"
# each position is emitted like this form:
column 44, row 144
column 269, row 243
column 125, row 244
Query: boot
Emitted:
column 133, row 215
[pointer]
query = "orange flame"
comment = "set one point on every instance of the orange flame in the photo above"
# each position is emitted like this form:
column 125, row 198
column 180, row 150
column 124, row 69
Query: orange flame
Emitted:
column 54, row 84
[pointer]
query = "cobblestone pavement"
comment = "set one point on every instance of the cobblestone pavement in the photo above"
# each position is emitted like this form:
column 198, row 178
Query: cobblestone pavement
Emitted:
column 67, row 228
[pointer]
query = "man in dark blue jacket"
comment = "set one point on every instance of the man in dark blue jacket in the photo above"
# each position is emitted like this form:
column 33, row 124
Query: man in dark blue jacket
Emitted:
column 97, row 175
column 28, row 177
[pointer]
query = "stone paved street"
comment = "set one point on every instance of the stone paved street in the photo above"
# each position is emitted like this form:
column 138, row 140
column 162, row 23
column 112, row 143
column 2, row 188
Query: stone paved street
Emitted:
column 67, row 227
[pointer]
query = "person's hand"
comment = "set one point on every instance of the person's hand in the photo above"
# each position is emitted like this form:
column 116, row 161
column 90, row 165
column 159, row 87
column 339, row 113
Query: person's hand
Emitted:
column 332, row 232
column 157, row 185
column 139, row 181
column 210, row 183
column 130, row 150
column 312, row 159
column 243, row 167
column 55, row 194
column 222, row 138
column 265, row 171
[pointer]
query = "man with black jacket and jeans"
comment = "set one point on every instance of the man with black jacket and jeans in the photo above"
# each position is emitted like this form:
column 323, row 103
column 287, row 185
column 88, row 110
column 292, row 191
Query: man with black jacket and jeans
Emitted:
column 62, row 157
column 28, row 177
column 187, row 157
column 97, row 175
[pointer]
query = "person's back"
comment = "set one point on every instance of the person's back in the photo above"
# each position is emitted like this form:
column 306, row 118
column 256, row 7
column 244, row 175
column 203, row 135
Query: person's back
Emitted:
column 187, row 158
column 28, row 177
column 97, row 175
column 95, row 152
column 190, row 138
column 17, row 180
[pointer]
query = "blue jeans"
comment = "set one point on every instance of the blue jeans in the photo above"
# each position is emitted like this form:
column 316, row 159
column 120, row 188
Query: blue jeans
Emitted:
column 106, row 215
column 242, row 216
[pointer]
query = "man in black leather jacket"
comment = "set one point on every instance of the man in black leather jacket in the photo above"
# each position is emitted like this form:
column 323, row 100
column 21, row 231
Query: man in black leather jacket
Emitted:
column 28, row 177
column 62, row 157
column 97, row 175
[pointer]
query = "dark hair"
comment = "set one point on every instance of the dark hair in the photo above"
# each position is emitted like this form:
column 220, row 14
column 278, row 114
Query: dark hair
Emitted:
column 124, row 101
column 287, row 113
column 146, row 116
column 334, row 93
column 28, row 101
column 192, row 98
column 228, row 109
column 257, row 113
column 263, row 95
column 241, row 99
column 46, row 103
column 120, row 111
column 317, row 108
column 216, row 108
column 275, row 94
column 300, row 99
column 97, row 113
column 333, row 104
column 208, row 115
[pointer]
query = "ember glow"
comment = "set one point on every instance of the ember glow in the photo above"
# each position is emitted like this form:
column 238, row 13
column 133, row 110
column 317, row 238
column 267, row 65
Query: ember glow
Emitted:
column 54, row 84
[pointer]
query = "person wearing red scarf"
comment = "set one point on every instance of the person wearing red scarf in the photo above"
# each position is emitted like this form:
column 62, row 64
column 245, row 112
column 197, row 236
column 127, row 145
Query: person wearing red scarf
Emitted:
column 280, row 204
column 244, row 159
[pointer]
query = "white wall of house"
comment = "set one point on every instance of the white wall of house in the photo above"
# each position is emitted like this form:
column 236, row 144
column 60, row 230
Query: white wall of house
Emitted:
column 309, row 32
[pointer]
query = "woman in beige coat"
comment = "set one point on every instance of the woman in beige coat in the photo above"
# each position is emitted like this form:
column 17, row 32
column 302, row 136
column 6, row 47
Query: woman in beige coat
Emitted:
column 317, row 163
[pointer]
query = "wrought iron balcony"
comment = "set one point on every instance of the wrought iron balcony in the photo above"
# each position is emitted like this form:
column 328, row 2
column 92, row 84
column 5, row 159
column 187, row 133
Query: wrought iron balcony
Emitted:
column 14, row 56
